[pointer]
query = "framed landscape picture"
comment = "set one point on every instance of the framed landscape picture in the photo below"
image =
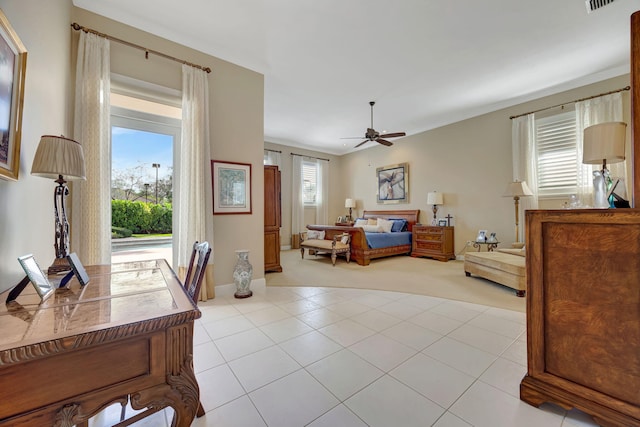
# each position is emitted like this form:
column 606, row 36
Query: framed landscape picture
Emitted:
column 393, row 184
column 13, row 57
column 231, row 187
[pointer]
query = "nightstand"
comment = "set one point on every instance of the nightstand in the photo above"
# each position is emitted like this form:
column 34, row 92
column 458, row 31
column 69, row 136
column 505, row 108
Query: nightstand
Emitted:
column 433, row 242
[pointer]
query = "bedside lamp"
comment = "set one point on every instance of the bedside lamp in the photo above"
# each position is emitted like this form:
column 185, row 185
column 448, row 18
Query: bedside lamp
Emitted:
column 350, row 203
column 603, row 142
column 61, row 159
column 435, row 199
column 517, row 189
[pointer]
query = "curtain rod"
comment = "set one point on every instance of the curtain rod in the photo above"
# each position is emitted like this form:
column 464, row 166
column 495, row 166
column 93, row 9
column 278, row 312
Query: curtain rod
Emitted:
column 273, row 151
column 79, row 27
column 571, row 102
column 311, row 157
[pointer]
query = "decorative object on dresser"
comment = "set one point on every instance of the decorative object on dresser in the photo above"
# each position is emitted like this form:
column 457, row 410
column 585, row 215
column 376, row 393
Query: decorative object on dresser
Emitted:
column 583, row 312
column 349, row 203
column 61, row 159
column 434, row 242
column 517, row 189
column 603, row 143
column 435, row 199
column 14, row 60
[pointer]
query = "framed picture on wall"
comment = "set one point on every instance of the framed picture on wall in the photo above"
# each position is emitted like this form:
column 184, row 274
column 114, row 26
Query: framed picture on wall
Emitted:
column 13, row 57
column 393, row 184
column 231, row 187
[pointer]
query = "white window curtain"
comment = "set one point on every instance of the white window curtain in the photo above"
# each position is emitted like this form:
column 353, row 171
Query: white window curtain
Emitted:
column 322, row 205
column 189, row 208
column 297, row 202
column 91, row 222
column 607, row 108
column 272, row 158
column 525, row 163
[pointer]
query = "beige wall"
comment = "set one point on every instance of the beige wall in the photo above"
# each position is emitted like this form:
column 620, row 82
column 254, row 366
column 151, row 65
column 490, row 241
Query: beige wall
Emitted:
column 26, row 207
column 469, row 161
column 236, row 128
column 236, row 99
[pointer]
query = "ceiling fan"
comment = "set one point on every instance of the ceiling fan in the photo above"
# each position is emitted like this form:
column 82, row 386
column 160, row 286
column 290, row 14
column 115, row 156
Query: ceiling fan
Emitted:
column 373, row 135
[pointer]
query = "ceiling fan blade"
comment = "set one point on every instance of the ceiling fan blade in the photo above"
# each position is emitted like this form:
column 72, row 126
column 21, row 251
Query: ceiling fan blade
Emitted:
column 363, row 142
column 393, row 135
column 384, row 142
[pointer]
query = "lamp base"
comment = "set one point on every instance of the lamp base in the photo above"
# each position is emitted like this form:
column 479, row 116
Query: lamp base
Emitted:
column 59, row 265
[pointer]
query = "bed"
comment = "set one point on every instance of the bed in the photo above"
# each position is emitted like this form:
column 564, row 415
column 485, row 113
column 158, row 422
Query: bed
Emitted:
column 366, row 246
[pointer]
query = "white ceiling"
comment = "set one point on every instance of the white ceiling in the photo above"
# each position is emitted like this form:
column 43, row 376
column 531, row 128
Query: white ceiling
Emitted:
column 426, row 63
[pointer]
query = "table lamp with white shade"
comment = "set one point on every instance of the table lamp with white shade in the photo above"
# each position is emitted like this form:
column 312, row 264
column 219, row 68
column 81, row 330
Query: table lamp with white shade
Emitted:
column 61, row 159
column 603, row 143
column 350, row 203
column 435, row 199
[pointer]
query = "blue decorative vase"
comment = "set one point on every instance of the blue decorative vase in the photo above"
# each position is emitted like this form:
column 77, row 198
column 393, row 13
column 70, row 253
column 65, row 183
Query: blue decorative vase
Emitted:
column 242, row 274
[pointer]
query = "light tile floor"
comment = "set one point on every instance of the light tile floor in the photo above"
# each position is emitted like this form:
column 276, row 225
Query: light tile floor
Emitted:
column 317, row 357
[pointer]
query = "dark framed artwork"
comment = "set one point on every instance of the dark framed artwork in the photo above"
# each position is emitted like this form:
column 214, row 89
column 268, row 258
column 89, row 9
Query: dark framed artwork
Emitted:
column 231, row 187
column 393, row 184
column 13, row 66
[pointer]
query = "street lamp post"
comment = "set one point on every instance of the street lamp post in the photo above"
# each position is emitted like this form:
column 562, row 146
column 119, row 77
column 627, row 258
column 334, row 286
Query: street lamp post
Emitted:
column 146, row 192
column 156, row 166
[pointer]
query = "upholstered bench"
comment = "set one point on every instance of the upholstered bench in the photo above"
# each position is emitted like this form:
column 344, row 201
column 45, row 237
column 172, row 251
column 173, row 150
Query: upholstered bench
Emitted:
column 315, row 243
column 506, row 267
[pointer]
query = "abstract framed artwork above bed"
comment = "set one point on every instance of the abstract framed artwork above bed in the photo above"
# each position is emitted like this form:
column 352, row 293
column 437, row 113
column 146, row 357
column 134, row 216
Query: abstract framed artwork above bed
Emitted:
column 393, row 184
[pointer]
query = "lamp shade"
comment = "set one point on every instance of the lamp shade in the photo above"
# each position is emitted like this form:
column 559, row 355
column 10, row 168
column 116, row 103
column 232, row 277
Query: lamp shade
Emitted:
column 57, row 155
column 350, row 203
column 604, row 143
column 434, row 198
column 517, row 188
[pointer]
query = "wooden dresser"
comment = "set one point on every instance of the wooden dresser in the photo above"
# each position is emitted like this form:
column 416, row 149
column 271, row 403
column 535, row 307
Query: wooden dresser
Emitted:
column 433, row 242
column 583, row 312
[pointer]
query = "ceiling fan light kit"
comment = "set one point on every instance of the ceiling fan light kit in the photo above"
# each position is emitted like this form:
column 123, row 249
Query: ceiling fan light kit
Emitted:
column 373, row 135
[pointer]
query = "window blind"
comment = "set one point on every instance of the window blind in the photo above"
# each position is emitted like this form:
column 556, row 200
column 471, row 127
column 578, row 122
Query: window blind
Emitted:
column 310, row 183
column 556, row 141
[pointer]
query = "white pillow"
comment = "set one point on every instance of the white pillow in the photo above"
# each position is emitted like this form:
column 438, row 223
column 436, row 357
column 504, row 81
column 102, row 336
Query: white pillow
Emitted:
column 372, row 221
column 360, row 223
column 385, row 224
column 344, row 239
column 372, row 229
column 315, row 234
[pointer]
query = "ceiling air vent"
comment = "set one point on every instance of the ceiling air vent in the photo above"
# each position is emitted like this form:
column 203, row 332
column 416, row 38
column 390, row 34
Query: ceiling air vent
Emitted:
column 593, row 5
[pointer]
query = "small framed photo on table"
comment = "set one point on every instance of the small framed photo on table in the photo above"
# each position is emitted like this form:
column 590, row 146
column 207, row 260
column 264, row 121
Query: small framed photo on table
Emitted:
column 36, row 276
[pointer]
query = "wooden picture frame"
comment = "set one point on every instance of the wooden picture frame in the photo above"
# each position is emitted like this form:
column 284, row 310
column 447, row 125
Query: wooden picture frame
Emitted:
column 393, row 184
column 14, row 55
column 231, row 184
column 36, row 276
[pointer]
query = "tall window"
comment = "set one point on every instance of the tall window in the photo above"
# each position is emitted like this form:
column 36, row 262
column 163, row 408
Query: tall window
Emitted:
column 556, row 142
column 310, row 183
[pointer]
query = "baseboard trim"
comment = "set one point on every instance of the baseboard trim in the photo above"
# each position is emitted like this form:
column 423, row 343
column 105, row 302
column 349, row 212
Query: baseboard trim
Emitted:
column 257, row 285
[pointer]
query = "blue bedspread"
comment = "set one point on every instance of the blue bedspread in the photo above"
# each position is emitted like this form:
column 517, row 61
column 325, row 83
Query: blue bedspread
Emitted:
column 385, row 240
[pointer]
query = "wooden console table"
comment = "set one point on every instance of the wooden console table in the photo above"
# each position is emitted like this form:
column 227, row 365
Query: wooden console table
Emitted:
column 127, row 335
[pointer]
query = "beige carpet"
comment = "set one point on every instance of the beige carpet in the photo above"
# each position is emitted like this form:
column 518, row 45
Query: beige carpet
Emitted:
column 399, row 273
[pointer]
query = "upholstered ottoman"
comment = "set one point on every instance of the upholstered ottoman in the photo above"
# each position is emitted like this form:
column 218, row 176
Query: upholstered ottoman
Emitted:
column 506, row 268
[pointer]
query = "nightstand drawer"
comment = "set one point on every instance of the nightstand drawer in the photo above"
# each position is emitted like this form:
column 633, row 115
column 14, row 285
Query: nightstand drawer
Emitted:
column 432, row 246
column 431, row 237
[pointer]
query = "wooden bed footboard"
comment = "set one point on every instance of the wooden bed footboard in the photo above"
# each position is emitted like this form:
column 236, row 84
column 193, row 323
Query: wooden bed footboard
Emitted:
column 360, row 251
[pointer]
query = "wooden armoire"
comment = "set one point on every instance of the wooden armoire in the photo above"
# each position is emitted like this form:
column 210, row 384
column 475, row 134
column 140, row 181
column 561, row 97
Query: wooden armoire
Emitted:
column 583, row 299
column 272, row 218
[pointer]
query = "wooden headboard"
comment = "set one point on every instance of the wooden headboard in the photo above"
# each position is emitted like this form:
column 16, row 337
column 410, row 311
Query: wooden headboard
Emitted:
column 410, row 215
